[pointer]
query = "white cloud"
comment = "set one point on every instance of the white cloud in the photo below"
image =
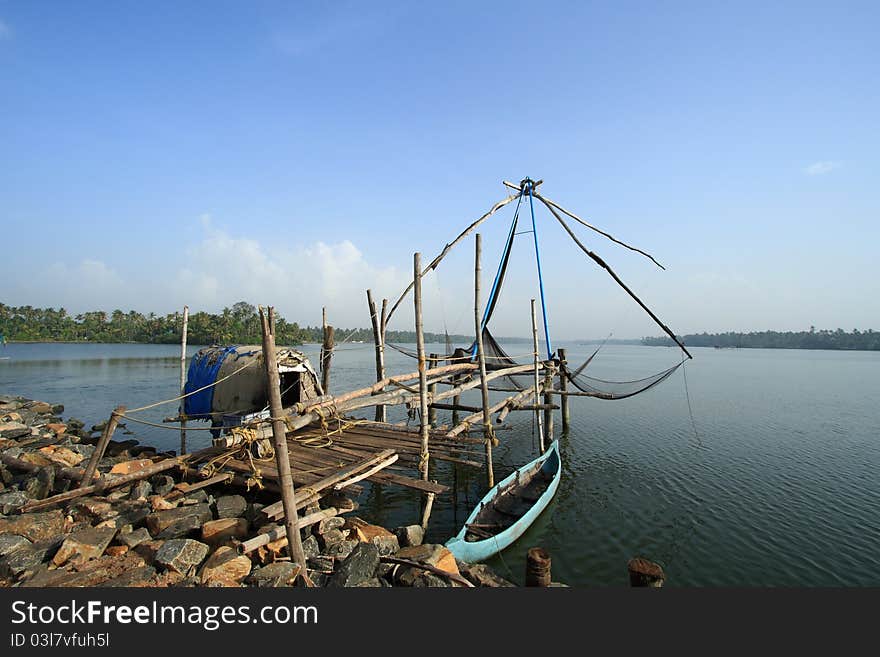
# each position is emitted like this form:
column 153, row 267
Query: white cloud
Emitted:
column 5, row 31
column 819, row 168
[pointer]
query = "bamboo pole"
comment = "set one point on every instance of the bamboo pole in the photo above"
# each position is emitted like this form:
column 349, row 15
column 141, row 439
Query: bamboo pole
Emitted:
column 282, row 458
column 471, row 419
column 563, row 387
column 101, row 447
column 548, row 404
column 481, row 358
column 538, row 422
column 281, row 532
column 326, row 353
column 424, row 456
column 379, row 341
column 446, row 249
column 103, row 484
column 183, row 379
column 433, row 360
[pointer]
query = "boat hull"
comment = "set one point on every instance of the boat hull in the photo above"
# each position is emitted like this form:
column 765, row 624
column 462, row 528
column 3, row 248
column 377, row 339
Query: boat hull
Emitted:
column 475, row 551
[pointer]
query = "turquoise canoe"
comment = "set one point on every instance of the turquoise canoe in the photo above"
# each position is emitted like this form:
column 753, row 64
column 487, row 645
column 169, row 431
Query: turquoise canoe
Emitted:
column 508, row 509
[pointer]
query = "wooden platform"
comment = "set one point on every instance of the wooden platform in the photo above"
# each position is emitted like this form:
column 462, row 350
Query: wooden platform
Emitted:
column 317, row 452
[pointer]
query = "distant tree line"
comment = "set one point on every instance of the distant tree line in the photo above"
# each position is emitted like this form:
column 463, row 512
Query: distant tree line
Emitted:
column 868, row 340
column 237, row 325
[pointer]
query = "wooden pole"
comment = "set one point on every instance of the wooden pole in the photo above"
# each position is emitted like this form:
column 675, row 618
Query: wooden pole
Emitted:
column 538, row 567
column 481, row 357
column 548, row 404
column 456, row 401
column 645, row 573
column 537, row 382
column 282, row 458
column 326, row 353
column 101, row 447
column 563, row 387
column 379, row 341
column 424, row 456
column 183, row 379
column 433, row 361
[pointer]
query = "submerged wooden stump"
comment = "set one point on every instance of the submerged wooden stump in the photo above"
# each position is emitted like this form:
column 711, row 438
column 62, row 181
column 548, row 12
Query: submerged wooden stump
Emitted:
column 645, row 573
column 538, row 567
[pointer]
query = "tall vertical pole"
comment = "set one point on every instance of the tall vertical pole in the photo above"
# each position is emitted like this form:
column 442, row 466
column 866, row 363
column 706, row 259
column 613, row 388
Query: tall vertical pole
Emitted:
column 563, row 388
column 279, row 437
column 537, row 382
column 183, row 380
column 326, row 354
column 378, row 340
column 424, row 456
column 540, row 275
column 481, row 357
column 433, row 361
column 548, row 403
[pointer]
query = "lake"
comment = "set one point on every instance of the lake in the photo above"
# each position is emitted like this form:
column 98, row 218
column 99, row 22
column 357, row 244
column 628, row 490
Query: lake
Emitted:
column 774, row 483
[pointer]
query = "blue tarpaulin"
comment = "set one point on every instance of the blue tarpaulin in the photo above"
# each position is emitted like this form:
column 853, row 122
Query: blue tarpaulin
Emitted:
column 203, row 372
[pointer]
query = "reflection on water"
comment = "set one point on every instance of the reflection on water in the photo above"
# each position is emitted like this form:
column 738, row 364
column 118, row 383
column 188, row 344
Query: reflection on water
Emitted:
column 780, row 486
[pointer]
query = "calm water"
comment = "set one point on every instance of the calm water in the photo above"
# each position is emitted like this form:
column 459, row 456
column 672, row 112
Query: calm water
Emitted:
column 778, row 486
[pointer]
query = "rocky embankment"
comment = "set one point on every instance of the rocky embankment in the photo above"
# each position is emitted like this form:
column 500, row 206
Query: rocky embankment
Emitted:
column 157, row 532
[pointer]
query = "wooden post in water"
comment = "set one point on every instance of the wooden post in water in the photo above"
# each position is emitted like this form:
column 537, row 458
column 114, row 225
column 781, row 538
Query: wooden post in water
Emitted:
column 538, row 422
column 563, row 388
column 548, row 404
column 282, row 458
column 538, row 567
column 183, row 380
column 645, row 573
column 379, row 341
column 433, row 361
column 326, row 354
column 101, row 447
column 424, row 455
column 488, row 434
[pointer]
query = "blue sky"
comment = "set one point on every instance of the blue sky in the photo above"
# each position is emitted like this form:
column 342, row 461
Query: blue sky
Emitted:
column 156, row 154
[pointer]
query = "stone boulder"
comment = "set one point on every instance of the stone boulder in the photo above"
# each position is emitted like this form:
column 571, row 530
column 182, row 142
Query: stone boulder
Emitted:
column 358, row 567
column 181, row 555
column 84, row 545
column 34, row 526
column 225, row 567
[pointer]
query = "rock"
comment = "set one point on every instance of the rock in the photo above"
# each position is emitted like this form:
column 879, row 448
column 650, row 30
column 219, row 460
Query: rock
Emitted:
column 341, row 549
column 321, row 564
column 198, row 496
column 410, row 536
column 373, row 583
column 181, row 555
column 34, row 526
column 38, row 407
column 133, row 538
column 434, row 555
column 188, row 526
column 63, row 456
column 429, row 580
column 331, row 537
column 255, row 514
column 157, row 522
column 140, row 490
column 479, row 574
column 340, row 501
column 14, row 430
column 92, row 509
column 311, row 547
column 28, row 558
column 224, row 530
column 39, row 487
column 357, row 567
column 92, row 573
column 280, row 573
column 387, row 544
column 84, row 545
column 100, row 426
column 328, row 525
column 159, row 503
column 318, row 579
column 12, row 500
column 162, row 484
column 231, row 506
column 137, row 577
column 116, row 550
column 57, row 409
column 130, row 467
column 147, row 550
column 85, row 451
column 225, row 565
column 9, row 543
column 126, row 517
column 364, row 531
column 57, row 428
